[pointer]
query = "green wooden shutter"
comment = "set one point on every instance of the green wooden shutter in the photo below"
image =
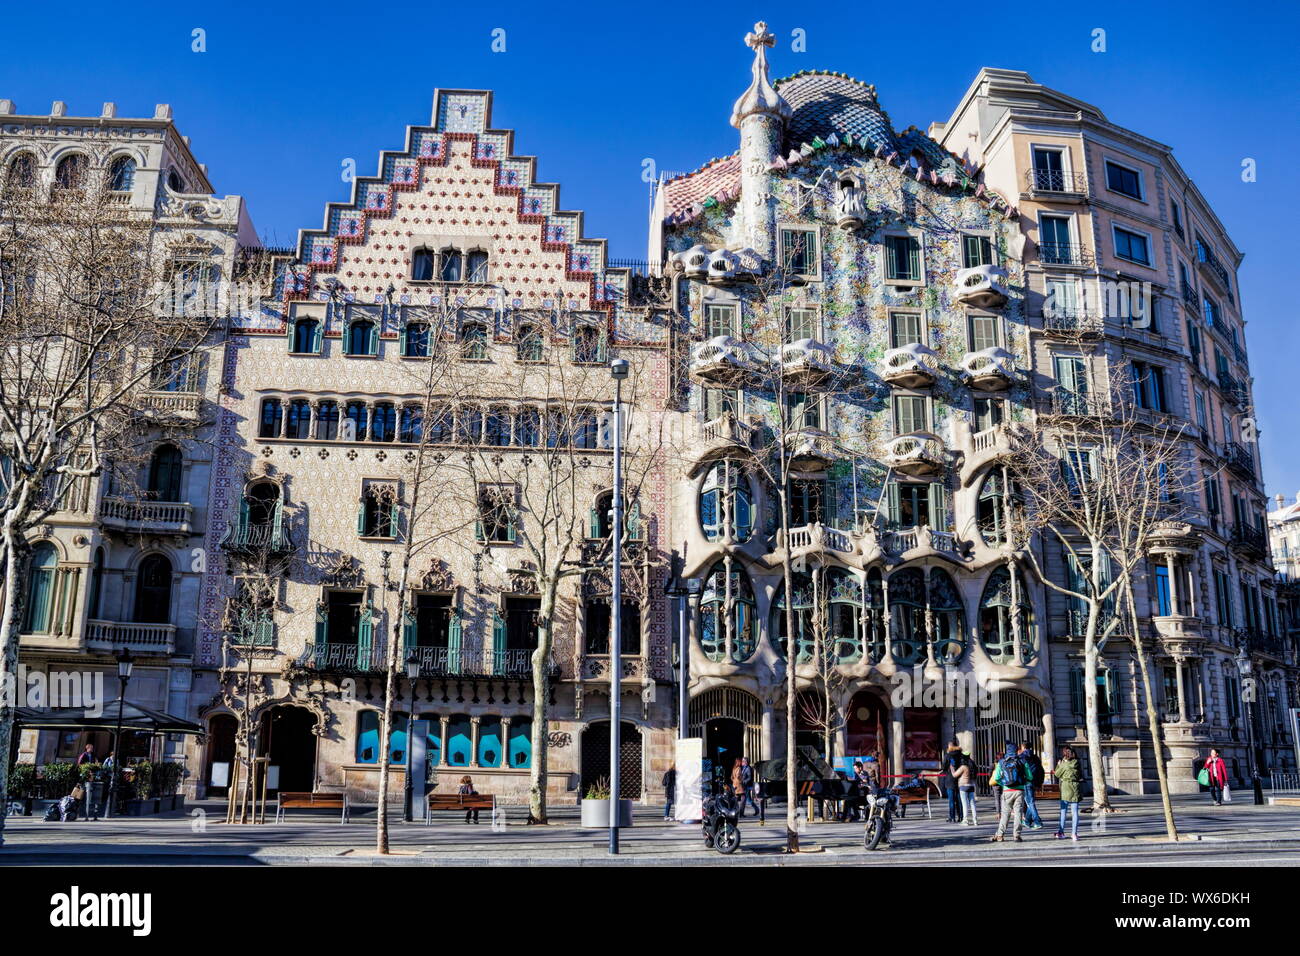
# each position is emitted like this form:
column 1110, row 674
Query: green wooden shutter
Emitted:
column 409, row 639
column 401, row 340
column 1076, row 690
column 633, row 521
column 243, row 521
column 593, row 523
column 453, row 641
column 893, row 508
column 498, row 643
column 347, row 338
column 393, row 515
column 938, row 506
column 361, row 516
column 372, row 340
column 322, row 630
column 1107, row 681
column 913, row 257
column 365, row 636
column 317, row 336
column 277, row 524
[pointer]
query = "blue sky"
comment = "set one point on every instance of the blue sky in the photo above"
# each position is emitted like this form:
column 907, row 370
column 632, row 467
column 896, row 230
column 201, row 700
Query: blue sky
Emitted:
column 284, row 95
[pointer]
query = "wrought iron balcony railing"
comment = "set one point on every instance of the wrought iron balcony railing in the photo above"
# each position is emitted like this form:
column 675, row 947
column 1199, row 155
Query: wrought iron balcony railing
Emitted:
column 1239, row 459
column 1063, row 254
column 1249, row 539
column 1072, row 322
column 1056, row 181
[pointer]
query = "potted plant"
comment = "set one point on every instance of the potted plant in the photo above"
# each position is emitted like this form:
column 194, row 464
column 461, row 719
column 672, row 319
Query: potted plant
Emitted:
column 595, row 807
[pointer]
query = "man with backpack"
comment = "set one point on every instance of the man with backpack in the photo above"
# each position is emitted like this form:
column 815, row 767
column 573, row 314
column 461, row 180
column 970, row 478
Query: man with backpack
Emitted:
column 1034, row 768
column 1011, row 774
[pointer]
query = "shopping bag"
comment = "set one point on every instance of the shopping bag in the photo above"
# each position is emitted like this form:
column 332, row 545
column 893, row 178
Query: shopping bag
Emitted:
column 1203, row 778
column 1227, row 794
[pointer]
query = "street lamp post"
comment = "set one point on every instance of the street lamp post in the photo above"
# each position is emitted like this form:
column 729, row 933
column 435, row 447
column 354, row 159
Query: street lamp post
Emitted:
column 618, row 370
column 1246, row 667
column 124, row 664
column 413, row 673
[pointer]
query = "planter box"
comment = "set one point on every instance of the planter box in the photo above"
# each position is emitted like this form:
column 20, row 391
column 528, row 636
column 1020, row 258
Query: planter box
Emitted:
column 595, row 814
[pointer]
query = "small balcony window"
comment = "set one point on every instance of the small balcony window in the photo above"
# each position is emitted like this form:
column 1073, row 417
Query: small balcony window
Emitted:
column 121, row 175
column 902, row 259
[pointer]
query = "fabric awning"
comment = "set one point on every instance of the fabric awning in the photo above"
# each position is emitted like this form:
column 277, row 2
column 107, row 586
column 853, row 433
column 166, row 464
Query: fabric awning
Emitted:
column 134, row 717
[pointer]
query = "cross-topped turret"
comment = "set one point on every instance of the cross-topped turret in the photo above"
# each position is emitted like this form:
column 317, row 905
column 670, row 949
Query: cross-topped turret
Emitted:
column 759, row 37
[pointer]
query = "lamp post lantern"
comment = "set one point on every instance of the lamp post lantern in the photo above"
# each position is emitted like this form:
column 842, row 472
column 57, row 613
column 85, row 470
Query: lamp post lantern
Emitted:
column 413, row 674
column 124, row 664
column 1246, row 667
column 618, row 370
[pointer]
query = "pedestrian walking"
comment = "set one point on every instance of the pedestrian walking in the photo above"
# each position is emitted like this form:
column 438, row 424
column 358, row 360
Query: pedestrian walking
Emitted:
column 1034, row 768
column 467, row 790
column 1012, row 776
column 1068, row 777
column 746, row 786
column 670, row 790
column 963, row 781
column 951, row 761
column 1214, row 774
column 87, row 755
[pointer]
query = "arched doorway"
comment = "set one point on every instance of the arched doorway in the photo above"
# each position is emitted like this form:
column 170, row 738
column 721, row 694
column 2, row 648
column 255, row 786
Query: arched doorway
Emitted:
column 153, row 590
column 730, row 722
column 1019, row 718
column 867, row 729
column 288, row 738
column 595, row 757
column 221, row 750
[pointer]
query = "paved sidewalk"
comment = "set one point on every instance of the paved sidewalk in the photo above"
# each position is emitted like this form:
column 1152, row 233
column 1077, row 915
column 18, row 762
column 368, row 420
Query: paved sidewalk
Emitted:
column 1239, row 833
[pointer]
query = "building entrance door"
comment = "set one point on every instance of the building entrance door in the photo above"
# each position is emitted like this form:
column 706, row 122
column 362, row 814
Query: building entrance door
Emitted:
column 287, row 738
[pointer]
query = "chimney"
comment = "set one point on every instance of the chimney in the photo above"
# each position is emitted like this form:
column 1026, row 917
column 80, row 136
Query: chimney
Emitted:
column 59, row 108
column 7, row 108
column 109, row 111
column 162, row 112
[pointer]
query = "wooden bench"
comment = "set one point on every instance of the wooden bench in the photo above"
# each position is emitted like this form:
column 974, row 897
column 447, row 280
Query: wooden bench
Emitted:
column 461, row 802
column 1048, row 791
column 311, row 801
column 916, row 795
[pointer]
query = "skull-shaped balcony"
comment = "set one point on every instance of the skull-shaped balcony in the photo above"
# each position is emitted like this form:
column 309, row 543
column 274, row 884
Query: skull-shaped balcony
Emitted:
column 989, row 369
column 720, row 362
column 694, row 262
column 726, row 266
column 810, row 449
column 911, row 366
column 806, row 362
column 918, row 454
column 982, row 286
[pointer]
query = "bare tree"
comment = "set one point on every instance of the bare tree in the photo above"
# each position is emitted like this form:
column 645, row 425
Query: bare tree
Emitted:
column 822, row 712
column 86, row 332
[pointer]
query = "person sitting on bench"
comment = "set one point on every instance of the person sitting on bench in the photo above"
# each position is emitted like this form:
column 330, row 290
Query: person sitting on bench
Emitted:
column 467, row 789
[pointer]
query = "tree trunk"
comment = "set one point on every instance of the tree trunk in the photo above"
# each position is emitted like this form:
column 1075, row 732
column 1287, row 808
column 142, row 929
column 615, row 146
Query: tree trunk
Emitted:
column 1153, row 718
column 1096, row 764
column 15, row 557
column 385, row 736
column 791, row 649
column 541, row 701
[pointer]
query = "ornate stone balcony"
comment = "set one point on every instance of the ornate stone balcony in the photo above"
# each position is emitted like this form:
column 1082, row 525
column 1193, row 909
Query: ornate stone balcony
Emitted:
column 982, row 286
column 811, row 449
column 989, row 369
column 156, row 517
column 913, row 542
column 818, row 538
column 727, row 429
column 917, row 454
column 722, row 361
column 806, row 362
column 172, row 405
column 139, row 638
column 716, row 266
column 911, row 366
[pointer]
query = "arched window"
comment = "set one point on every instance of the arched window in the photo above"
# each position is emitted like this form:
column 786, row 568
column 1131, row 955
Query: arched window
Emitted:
column 71, row 172
column 996, row 625
column 40, row 587
column 327, row 421
column 992, row 509
column 586, row 430
column 844, row 602
column 474, row 341
column 422, row 265
column 907, row 615
column 272, row 418
column 415, row 340
column 476, row 266
column 450, row 270
column 96, row 585
column 165, row 474
column 520, row 744
column 299, row 423
column 489, row 741
column 441, row 424
column 174, row 181
column 528, row 343
column 369, row 727
column 21, row 173
column 876, row 623
column 121, row 175
column 306, row 336
column 949, row 616
column 356, row 413
column 528, row 428
column 460, row 743
column 383, row 423
column 717, row 632
column 498, row 426
column 725, row 504
column 362, row 338
column 153, row 590
column 804, row 610
column 469, row 424
column 412, row 425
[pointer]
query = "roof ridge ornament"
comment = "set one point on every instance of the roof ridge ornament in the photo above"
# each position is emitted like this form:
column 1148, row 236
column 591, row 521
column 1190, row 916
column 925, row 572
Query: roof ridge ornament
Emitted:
column 761, row 97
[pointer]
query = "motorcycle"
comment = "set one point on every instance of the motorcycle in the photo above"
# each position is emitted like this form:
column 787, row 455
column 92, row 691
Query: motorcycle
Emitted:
column 881, row 807
column 721, row 821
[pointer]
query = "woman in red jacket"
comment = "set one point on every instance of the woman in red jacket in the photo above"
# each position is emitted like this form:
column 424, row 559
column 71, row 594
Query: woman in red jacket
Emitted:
column 1217, row 771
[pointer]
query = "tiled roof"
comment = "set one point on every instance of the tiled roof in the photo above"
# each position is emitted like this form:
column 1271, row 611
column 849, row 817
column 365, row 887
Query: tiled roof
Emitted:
column 825, row 103
column 718, row 179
